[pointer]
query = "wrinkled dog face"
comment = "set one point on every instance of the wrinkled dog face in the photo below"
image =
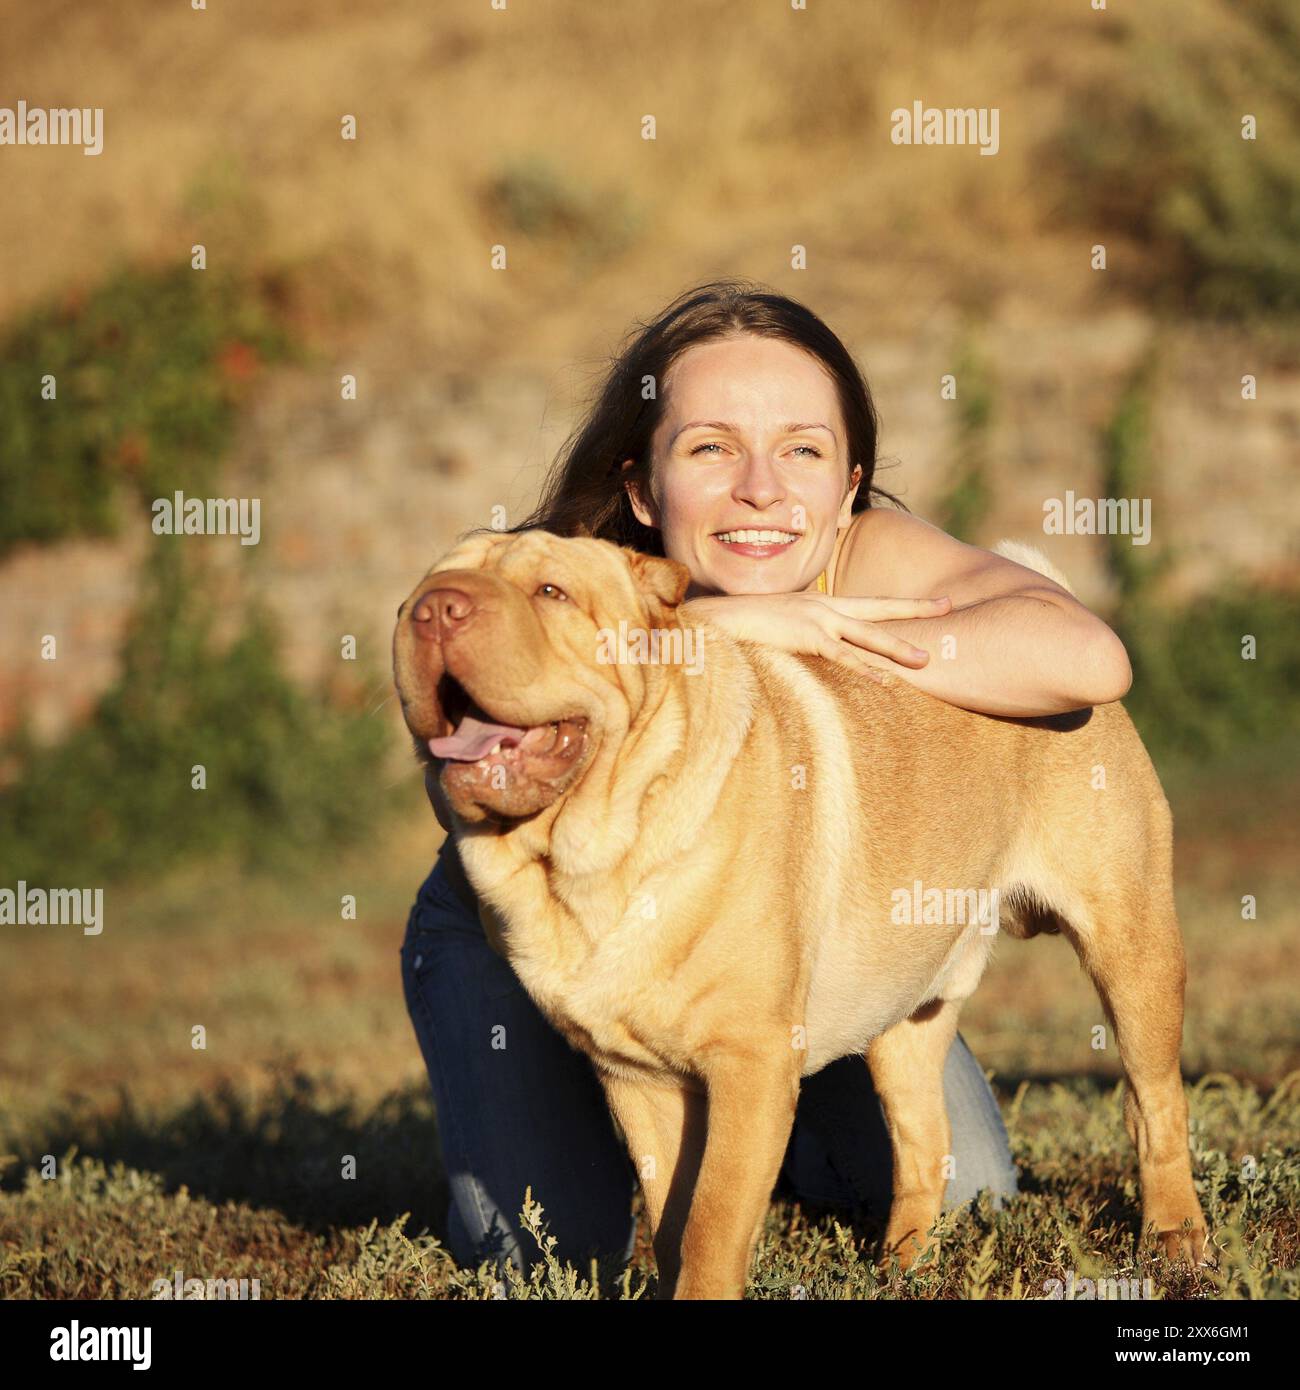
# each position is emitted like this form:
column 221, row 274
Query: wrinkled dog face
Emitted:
column 496, row 660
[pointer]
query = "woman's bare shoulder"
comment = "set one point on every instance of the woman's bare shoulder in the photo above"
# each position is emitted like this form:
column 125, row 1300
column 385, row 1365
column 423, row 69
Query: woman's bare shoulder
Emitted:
column 888, row 522
column 881, row 544
column 895, row 554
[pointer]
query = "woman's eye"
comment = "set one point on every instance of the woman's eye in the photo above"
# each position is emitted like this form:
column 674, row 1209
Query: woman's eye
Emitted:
column 815, row 452
column 552, row 591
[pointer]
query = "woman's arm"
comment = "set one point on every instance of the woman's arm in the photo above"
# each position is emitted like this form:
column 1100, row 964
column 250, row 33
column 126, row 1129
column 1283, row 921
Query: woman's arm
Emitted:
column 1023, row 653
column 1013, row 642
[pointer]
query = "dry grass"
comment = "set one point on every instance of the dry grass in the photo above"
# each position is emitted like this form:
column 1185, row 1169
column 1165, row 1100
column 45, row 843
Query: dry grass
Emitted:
column 523, row 127
column 772, row 130
column 226, row 1160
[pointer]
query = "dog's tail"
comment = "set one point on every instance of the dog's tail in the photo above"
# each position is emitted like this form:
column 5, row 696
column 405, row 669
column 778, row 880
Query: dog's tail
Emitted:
column 1032, row 559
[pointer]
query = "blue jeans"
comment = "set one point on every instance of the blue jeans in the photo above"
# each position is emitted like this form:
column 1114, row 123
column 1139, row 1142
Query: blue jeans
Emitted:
column 532, row 1112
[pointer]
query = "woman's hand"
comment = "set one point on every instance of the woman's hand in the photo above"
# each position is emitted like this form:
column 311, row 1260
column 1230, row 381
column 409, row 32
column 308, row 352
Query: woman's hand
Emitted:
column 845, row 629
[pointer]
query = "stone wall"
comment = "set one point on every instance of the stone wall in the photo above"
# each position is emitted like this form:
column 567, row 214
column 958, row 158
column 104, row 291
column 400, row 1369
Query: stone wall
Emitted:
column 358, row 498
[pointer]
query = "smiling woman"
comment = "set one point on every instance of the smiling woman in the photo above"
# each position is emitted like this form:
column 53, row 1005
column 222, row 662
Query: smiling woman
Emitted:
column 755, row 506
column 751, row 462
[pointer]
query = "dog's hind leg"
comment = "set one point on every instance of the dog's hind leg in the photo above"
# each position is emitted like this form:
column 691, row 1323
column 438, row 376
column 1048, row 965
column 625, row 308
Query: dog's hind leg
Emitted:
column 1130, row 946
column 906, row 1065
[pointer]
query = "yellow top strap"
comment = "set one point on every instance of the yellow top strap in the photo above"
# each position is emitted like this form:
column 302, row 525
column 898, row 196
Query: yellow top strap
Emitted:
column 821, row 582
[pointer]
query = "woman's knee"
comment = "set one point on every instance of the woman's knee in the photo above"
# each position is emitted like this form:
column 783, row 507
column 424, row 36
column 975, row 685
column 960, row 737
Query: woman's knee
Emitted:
column 849, row 1136
column 516, row 1105
column 981, row 1150
column 603, row 1229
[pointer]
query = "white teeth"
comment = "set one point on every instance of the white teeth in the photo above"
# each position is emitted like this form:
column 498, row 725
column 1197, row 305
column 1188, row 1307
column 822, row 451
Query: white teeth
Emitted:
column 496, row 748
column 757, row 537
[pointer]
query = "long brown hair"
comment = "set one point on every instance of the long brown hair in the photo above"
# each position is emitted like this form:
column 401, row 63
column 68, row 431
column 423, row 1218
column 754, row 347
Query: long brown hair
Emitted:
column 584, row 492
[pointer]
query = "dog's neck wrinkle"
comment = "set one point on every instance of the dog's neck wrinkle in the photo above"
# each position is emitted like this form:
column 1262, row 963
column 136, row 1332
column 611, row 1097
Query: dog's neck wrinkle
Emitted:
column 619, row 767
column 675, row 788
column 595, row 902
column 722, row 698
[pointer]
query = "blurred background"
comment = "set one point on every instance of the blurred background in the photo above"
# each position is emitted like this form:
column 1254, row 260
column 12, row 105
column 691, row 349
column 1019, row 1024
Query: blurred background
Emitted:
column 371, row 258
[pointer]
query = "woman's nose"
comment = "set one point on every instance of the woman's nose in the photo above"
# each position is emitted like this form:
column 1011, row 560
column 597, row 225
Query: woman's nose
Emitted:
column 759, row 482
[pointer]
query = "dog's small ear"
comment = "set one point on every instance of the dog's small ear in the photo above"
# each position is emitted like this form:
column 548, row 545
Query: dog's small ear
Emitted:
column 663, row 579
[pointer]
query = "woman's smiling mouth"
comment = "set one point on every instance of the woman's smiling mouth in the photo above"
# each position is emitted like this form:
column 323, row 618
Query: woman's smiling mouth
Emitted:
column 758, row 543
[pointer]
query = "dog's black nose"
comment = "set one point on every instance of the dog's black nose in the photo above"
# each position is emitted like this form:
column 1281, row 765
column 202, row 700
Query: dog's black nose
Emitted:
column 440, row 612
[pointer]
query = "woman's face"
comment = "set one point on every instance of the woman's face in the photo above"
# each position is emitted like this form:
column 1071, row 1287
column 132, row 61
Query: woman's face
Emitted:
column 751, row 440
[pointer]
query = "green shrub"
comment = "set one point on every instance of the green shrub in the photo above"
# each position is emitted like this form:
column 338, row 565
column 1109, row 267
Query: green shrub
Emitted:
column 592, row 224
column 285, row 772
column 1125, row 472
column 1155, row 151
column 1194, row 692
column 967, row 497
column 148, row 369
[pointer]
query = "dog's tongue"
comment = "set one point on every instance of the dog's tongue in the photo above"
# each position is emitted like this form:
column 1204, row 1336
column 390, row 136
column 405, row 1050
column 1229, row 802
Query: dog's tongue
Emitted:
column 473, row 738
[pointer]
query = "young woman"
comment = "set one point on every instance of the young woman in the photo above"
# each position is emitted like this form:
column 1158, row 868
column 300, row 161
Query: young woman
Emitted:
column 735, row 434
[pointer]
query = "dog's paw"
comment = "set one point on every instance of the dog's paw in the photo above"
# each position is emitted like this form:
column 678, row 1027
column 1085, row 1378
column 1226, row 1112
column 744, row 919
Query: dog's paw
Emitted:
column 913, row 1253
column 1188, row 1244
column 908, row 1237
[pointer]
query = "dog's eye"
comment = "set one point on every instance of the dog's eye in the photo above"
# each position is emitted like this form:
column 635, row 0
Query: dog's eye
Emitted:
column 555, row 591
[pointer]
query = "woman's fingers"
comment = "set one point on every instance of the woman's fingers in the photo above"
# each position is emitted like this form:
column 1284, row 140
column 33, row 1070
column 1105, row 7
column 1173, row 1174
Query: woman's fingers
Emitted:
column 856, row 660
column 880, row 610
column 861, row 617
column 884, row 643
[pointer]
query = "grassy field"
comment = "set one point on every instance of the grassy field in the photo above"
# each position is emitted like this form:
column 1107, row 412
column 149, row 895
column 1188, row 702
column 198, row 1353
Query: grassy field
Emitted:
column 226, row 1161
column 125, row 1153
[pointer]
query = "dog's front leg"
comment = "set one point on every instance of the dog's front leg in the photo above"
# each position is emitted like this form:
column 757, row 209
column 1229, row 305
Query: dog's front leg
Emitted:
column 663, row 1125
column 751, row 1108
